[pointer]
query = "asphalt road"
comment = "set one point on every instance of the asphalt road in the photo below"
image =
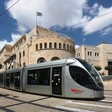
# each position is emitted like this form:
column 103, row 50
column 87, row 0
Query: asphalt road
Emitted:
column 12, row 101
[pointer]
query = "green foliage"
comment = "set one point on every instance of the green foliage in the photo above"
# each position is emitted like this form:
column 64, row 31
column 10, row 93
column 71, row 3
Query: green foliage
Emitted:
column 98, row 68
column 109, row 67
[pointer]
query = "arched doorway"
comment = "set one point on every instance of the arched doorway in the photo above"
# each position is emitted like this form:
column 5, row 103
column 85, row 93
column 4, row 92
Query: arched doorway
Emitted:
column 41, row 60
column 55, row 58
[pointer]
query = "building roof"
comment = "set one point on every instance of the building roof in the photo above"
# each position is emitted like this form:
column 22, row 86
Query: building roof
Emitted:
column 7, row 47
column 104, row 43
column 23, row 37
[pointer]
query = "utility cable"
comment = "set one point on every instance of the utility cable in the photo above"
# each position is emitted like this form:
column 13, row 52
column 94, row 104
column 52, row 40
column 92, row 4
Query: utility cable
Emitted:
column 93, row 18
column 5, row 12
column 72, row 26
column 9, row 8
column 8, row 25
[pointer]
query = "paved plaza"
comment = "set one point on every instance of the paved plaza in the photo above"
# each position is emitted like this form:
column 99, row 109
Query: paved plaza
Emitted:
column 13, row 101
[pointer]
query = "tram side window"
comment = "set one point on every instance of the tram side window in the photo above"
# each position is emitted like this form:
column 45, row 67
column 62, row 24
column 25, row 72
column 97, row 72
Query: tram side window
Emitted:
column 12, row 78
column 1, row 78
column 32, row 77
column 17, row 75
column 44, row 76
column 80, row 76
column 7, row 76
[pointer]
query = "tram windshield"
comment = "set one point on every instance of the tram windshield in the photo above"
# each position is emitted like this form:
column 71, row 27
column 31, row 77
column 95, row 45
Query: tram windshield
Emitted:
column 92, row 71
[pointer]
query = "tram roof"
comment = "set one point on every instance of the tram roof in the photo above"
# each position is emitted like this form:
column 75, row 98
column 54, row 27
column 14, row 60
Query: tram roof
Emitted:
column 14, row 70
column 53, row 63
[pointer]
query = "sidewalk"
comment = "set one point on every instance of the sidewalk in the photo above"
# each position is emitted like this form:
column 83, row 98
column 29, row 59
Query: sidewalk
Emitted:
column 108, row 85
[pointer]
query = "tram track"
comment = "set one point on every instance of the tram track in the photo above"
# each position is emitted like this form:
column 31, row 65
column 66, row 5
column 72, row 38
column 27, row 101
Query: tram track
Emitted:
column 108, row 96
column 104, row 101
column 97, row 106
column 15, row 100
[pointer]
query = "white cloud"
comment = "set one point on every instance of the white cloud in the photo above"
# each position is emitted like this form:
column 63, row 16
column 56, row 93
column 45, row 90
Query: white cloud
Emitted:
column 55, row 12
column 15, row 37
column 91, row 10
column 3, row 42
column 99, row 23
column 61, row 13
column 106, row 31
column 77, row 46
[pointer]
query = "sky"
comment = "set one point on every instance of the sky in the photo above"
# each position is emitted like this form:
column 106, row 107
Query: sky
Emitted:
column 87, row 22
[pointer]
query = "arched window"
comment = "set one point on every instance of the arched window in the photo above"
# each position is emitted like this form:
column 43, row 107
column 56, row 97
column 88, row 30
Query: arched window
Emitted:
column 64, row 47
column 55, row 45
column 23, row 53
column 50, row 45
column 60, row 46
column 45, row 45
column 41, row 60
column 36, row 47
column 40, row 45
column 54, row 58
column 19, row 55
column 67, row 47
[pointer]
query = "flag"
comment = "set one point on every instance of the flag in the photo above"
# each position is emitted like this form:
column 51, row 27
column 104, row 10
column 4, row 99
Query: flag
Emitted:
column 39, row 14
column 83, row 40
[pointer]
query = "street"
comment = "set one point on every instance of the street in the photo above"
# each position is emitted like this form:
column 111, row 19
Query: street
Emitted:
column 12, row 101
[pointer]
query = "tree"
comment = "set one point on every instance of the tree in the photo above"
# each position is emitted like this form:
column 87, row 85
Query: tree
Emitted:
column 109, row 67
column 98, row 68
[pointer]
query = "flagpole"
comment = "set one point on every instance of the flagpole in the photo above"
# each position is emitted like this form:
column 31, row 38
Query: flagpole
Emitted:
column 37, row 14
column 36, row 20
column 36, row 25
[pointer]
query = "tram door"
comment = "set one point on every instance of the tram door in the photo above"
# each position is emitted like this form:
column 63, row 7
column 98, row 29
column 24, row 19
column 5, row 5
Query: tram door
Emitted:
column 7, row 81
column 17, row 80
column 57, row 80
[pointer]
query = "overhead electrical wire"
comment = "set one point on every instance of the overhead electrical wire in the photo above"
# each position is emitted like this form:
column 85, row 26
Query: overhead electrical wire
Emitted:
column 93, row 18
column 9, row 7
column 5, row 12
column 8, row 25
column 57, row 30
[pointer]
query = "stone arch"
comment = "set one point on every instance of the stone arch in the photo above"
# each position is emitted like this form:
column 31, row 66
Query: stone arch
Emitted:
column 41, row 60
column 45, row 45
column 55, row 58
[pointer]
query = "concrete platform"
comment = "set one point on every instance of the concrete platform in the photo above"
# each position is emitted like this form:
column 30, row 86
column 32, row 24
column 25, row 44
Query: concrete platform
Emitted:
column 12, row 101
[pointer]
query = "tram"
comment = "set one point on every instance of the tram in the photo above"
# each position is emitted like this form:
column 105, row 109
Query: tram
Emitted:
column 71, row 78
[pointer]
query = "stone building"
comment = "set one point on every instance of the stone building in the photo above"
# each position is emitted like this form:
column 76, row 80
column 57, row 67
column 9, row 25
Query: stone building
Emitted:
column 5, row 53
column 100, row 55
column 37, row 46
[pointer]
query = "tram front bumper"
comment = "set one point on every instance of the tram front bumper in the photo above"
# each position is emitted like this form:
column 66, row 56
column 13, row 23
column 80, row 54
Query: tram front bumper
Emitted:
column 99, row 94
